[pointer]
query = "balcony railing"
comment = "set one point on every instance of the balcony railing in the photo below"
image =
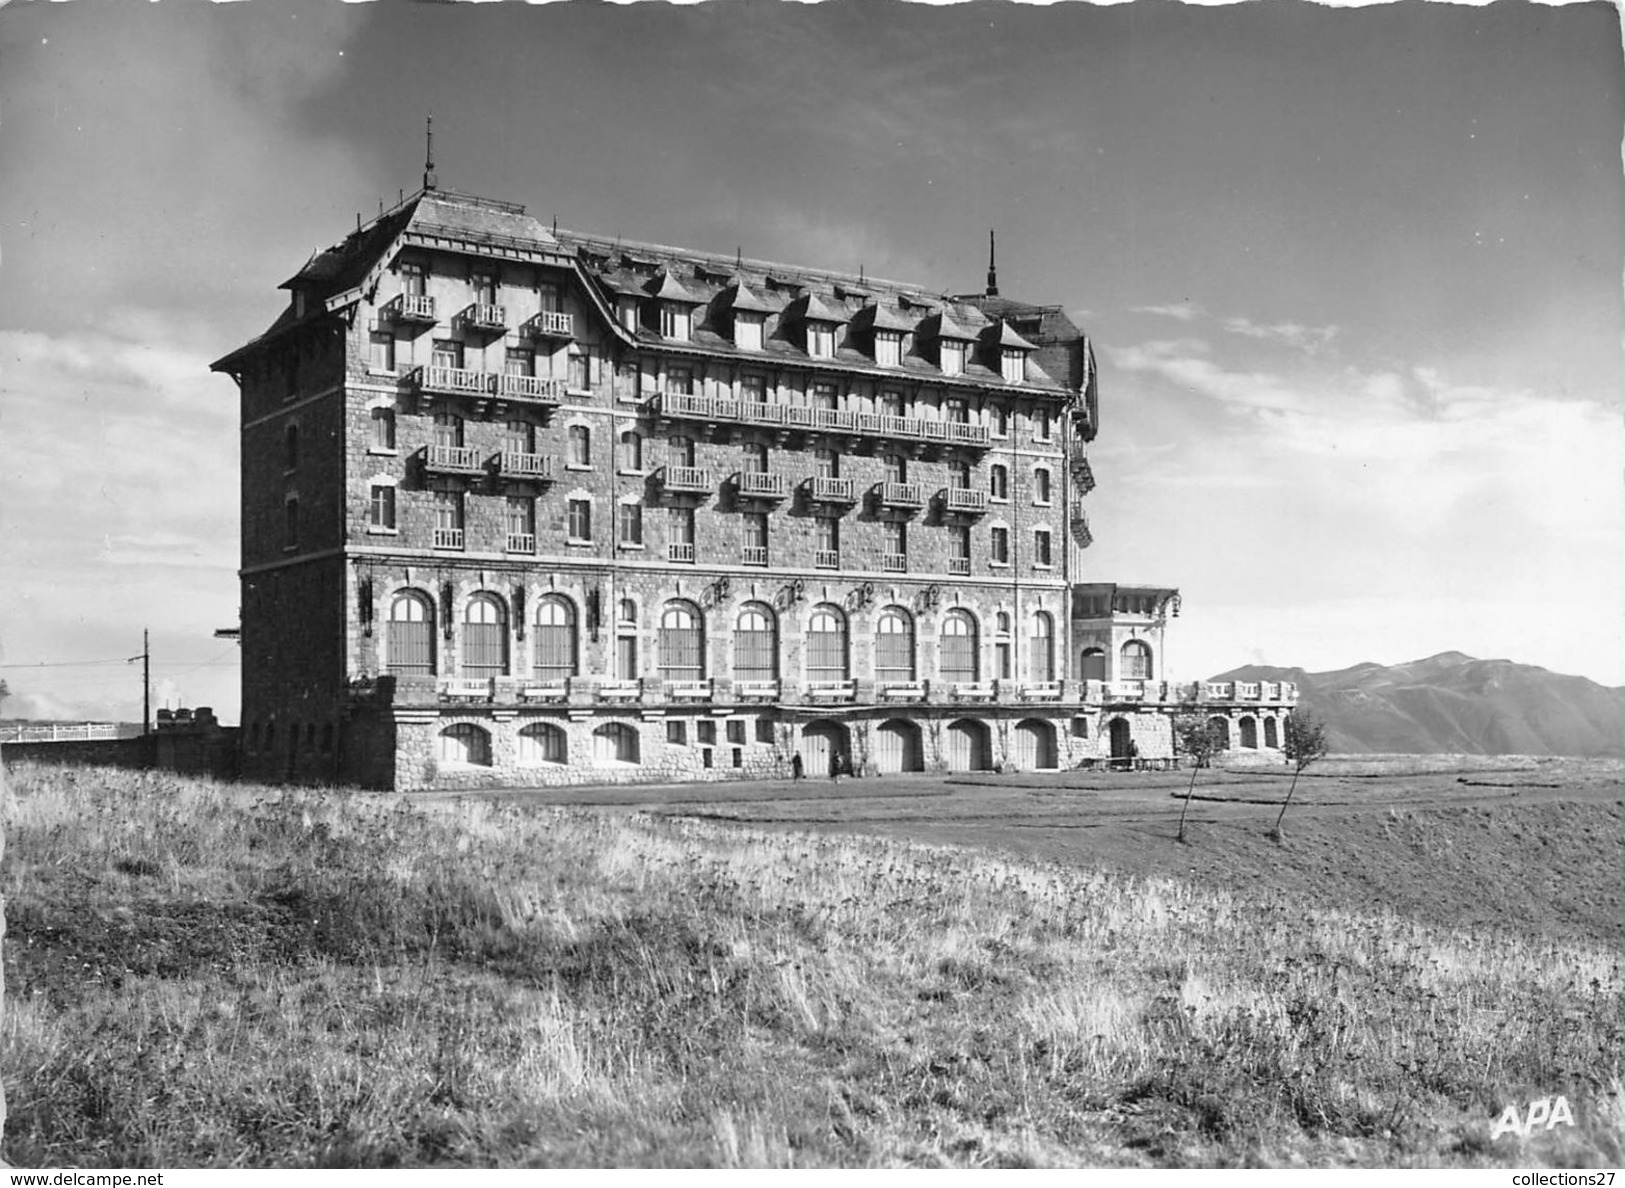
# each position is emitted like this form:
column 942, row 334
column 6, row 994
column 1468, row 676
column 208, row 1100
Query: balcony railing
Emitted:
column 521, row 542
column 965, row 500
column 450, row 459
column 680, row 552
column 756, row 689
column 408, row 307
column 753, row 554
column 959, row 566
column 537, row 467
column 619, row 690
column 824, row 489
column 482, row 316
column 551, row 323
column 902, row 690
column 545, row 691
column 1041, row 691
column 538, row 389
column 901, row 495
column 974, row 690
column 448, row 538
column 699, row 690
column 756, row 485
column 464, row 687
column 833, row 420
column 832, row 690
column 693, row 479
column 826, row 559
column 894, row 562
column 458, row 381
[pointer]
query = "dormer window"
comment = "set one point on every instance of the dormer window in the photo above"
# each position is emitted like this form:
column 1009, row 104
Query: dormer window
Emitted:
column 888, row 348
column 1014, row 363
column 298, row 303
column 748, row 330
column 627, row 311
column 821, row 339
column 676, row 320
column 952, row 360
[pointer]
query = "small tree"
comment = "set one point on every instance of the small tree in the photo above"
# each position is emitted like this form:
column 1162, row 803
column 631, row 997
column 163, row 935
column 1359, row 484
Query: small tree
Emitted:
column 1199, row 742
column 1305, row 743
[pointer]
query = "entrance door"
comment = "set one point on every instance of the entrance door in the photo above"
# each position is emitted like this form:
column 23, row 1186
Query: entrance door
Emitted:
column 1122, row 734
column 1034, row 746
column 969, row 746
column 897, row 747
column 626, row 657
column 821, row 744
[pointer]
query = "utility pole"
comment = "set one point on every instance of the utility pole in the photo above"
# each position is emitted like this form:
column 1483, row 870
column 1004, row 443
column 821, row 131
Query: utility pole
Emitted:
column 146, row 681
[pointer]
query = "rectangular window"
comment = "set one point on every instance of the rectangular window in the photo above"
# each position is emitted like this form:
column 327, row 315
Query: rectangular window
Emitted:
column 959, row 475
column 764, row 730
column 448, row 519
column 680, row 534
column 1041, row 553
column 547, row 298
column 956, row 412
column 674, row 320
column 1001, row 422
column 755, row 538
column 896, row 468
column 826, row 463
column 679, row 381
column 518, row 437
column 631, row 524
column 291, row 522
column 580, row 373
column 1041, row 485
column 383, row 429
column 891, row 404
column 827, row 542
column 895, row 534
column 677, row 733
column 579, row 524
column 823, row 397
column 753, row 389
column 381, row 509
column 1015, row 366
column 414, row 281
column 999, row 550
column 998, row 482
column 706, row 731
column 736, row 731
column 447, row 352
column 959, row 542
column 952, row 358
column 628, row 311
column 521, row 516
column 1041, row 424
column 888, row 348
column 748, row 331
column 821, row 340
column 485, row 288
column 383, row 350
column 519, row 361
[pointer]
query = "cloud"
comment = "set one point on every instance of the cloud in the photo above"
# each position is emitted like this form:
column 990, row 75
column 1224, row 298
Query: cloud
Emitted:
column 1186, row 312
column 1309, row 339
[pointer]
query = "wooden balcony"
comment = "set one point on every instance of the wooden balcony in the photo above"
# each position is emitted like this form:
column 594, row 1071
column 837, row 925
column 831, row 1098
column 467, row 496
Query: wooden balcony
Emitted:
column 959, row 566
column 826, row 559
column 448, row 538
column 756, row 485
column 894, row 562
column 408, row 310
column 680, row 552
column 537, row 468
column 490, row 319
column 900, row 495
column 753, row 554
column 530, row 389
column 521, row 542
column 686, row 480
column 453, row 381
column 963, row 501
column 823, row 489
column 551, row 323
column 450, row 459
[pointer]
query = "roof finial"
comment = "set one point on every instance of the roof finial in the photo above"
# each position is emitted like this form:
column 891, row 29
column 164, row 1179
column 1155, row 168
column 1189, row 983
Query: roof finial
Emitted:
column 428, row 158
column 992, row 268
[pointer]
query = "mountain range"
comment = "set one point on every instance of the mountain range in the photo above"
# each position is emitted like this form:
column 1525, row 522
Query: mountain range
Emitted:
column 1454, row 704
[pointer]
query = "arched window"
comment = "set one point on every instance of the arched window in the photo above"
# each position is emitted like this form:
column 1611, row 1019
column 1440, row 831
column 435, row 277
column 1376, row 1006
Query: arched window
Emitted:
column 485, row 637
column 615, row 742
column 580, row 446
column 631, row 450
column 826, row 644
column 1041, row 662
column 555, row 639
column 682, row 643
column 1136, row 661
column 465, row 743
column 542, row 742
column 1094, row 664
column 959, row 649
column 1272, row 738
column 894, row 645
column 756, row 644
column 411, row 634
column 383, row 429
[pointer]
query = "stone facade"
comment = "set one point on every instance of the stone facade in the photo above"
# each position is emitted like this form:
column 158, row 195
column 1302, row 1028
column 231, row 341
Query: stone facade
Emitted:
column 522, row 506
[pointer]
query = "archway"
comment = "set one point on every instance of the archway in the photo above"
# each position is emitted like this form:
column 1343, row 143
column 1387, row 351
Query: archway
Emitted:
column 1221, row 731
column 1122, row 737
column 824, row 744
column 969, row 746
column 1249, row 733
column 1093, row 667
column 1033, row 746
column 1272, row 737
column 897, row 747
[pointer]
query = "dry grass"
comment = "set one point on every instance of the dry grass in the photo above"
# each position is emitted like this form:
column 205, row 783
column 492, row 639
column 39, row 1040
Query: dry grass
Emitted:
column 210, row 975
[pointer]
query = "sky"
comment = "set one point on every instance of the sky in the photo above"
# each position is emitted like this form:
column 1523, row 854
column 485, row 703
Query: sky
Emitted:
column 1353, row 277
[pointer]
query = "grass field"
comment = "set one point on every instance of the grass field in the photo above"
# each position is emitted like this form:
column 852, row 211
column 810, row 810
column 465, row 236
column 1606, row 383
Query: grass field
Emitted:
column 200, row 974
